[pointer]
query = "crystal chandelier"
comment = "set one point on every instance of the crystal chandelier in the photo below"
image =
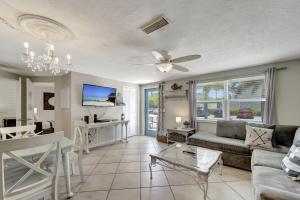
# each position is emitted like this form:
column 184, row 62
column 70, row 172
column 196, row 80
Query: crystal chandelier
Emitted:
column 45, row 62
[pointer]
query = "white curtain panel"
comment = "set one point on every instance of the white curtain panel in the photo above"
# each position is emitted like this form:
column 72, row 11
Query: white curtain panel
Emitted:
column 192, row 104
column 160, row 121
column 270, row 114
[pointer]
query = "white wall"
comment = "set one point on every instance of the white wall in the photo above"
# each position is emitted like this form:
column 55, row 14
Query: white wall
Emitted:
column 175, row 107
column 69, row 88
column 78, row 111
column 63, row 114
column 287, row 95
column 8, row 97
column 8, row 91
column 38, row 102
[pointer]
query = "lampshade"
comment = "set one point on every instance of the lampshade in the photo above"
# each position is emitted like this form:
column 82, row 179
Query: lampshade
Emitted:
column 178, row 119
column 35, row 110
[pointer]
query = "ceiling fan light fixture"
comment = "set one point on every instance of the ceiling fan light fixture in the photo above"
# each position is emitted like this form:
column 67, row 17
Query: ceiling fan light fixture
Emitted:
column 165, row 67
column 165, row 62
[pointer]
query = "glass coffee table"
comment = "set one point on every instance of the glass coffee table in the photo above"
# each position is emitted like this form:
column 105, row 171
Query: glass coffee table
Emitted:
column 188, row 159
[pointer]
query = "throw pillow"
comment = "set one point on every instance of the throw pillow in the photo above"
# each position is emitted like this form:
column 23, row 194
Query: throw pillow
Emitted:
column 297, row 136
column 284, row 135
column 261, row 137
column 231, row 129
column 262, row 125
column 291, row 162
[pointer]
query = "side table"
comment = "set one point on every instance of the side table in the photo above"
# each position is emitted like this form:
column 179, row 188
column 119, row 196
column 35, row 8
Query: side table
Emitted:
column 179, row 134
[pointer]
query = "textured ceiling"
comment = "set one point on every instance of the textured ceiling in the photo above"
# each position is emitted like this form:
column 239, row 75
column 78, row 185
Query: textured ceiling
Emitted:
column 228, row 34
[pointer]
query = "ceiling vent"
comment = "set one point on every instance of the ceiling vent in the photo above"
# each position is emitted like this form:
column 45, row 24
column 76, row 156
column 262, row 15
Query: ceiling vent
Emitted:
column 154, row 25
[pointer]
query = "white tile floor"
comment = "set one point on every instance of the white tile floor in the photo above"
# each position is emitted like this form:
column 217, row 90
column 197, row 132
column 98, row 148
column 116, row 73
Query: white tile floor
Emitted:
column 120, row 172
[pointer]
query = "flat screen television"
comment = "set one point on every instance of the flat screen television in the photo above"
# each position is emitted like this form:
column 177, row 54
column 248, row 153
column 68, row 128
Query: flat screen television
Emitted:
column 93, row 95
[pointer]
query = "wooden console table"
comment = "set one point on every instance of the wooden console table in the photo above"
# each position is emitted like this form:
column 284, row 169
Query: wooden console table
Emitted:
column 92, row 136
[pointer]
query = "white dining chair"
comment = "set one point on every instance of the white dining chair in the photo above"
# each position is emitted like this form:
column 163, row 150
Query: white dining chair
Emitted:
column 37, row 181
column 18, row 132
column 76, row 154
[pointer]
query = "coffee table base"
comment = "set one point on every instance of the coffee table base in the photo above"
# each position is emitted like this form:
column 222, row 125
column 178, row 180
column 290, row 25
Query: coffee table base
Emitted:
column 201, row 179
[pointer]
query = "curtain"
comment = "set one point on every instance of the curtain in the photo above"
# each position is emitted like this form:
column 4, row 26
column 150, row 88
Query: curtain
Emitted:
column 270, row 115
column 192, row 104
column 160, row 121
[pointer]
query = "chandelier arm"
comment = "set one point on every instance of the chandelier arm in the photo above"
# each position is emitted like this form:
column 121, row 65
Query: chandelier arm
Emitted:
column 48, row 61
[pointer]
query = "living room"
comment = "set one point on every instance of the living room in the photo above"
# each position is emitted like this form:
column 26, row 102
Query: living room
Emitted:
column 150, row 100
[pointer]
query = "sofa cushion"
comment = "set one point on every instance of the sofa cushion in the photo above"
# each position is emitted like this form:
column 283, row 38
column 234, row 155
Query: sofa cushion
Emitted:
column 284, row 135
column 266, row 158
column 271, row 183
column 212, row 141
column 231, row 129
column 291, row 162
column 279, row 149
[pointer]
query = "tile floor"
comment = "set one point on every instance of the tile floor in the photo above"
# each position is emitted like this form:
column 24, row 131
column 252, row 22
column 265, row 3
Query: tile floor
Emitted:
column 120, row 172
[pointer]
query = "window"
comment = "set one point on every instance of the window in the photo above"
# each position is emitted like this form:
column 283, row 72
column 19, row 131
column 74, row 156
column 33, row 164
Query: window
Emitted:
column 246, row 98
column 210, row 100
column 236, row 99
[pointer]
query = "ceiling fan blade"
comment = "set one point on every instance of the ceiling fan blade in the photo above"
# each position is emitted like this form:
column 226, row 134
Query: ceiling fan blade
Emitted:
column 147, row 64
column 180, row 68
column 185, row 58
column 158, row 56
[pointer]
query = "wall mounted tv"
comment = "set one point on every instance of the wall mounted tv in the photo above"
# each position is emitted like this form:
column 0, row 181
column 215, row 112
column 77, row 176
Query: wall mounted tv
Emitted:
column 93, row 95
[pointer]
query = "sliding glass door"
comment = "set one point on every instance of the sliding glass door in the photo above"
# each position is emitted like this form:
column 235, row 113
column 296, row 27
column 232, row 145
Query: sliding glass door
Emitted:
column 151, row 111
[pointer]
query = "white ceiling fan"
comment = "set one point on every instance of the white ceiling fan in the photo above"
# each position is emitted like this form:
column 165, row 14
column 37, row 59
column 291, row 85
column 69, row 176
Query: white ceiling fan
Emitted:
column 166, row 63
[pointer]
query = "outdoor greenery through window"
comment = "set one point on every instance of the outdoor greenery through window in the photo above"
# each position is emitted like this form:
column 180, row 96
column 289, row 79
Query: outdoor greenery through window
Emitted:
column 210, row 100
column 236, row 99
column 152, row 109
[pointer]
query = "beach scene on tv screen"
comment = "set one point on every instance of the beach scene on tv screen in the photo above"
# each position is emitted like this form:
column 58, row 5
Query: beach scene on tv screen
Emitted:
column 98, row 96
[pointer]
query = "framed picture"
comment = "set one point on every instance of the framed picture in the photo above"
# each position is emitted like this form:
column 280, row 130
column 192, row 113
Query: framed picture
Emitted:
column 48, row 101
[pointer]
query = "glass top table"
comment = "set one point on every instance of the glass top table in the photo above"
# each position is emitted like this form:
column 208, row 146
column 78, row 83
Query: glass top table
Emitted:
column 197, row 159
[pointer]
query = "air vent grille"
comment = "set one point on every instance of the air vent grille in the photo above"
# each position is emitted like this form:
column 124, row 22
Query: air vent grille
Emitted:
column 155, row 25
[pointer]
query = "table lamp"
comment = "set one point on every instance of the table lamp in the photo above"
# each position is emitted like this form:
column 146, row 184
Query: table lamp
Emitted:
column 178, row 121
column 35, row 112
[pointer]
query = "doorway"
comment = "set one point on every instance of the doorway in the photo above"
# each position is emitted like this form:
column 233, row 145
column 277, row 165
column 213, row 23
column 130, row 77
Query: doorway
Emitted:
column 130, row 109
column 151, row 111
column 41, row 106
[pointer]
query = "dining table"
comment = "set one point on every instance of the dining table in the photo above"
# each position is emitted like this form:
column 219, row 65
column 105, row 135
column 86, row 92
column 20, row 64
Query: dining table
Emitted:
column 66, row 147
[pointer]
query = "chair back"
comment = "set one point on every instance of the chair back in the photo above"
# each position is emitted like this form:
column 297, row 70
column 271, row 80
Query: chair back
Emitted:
column 17, row 132
column 37, row 178
column 77, row 136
